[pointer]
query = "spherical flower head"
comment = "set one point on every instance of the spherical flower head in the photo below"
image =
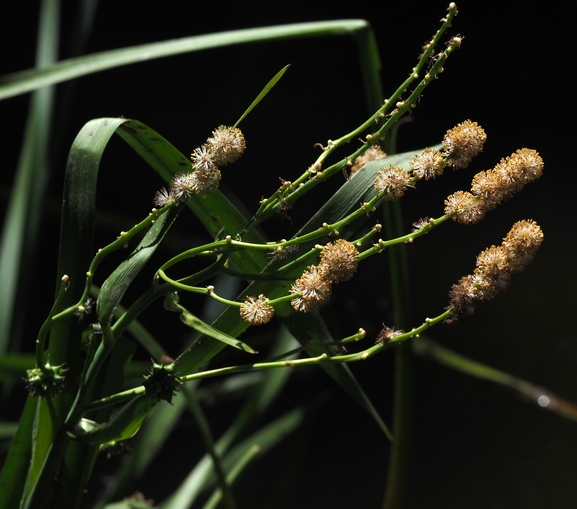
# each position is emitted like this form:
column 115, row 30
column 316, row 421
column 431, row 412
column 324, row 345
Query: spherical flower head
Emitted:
column 494, row 267
column 313, row 287
column 182, row 186
column 205, row 181
column 163, row 197
column 524, row 166
column 373, row 153
column 492, row 260
column 465, row 207
column 521, row 244
column 490, row 188
column 203, row 159
column 392, row 181
column 461, row 298
column 227, row 144
column 464, row 142
column 256, row 311
column 508, row 177
column 427, row 164
column 487, row 285
column 339, row 260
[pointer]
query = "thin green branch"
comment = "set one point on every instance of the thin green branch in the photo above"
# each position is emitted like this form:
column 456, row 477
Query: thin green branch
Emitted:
column 311, row 361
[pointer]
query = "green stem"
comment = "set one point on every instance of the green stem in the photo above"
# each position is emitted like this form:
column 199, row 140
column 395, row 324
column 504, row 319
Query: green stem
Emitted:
column 398, row 474
column 323, row 358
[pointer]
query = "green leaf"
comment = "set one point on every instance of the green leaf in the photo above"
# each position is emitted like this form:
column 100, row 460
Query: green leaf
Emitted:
column 545, row 399
column 18, row 245
column 32, row 79
column 263, row 93
column 14, row 472
column 265, row 438
column 171, row 303
column 117, row 283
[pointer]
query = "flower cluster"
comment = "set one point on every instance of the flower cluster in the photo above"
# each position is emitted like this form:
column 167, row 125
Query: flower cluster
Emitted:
column 46, row 381
column 256, row 311
column 427, row 164
column 225, row 146
column 373, row 153
column 338, row 263
column 392, row 182
column 461, row 144
column 495, row 266
column 489, row 188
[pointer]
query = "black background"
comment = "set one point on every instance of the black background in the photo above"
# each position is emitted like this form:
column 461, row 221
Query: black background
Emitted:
column 476, row 444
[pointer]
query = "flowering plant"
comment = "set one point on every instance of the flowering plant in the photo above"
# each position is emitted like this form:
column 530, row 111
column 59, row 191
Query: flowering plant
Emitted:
column 81, row 404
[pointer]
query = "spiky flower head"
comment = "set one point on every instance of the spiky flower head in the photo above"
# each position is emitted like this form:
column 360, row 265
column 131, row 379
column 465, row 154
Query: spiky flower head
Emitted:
column 46, row 381
column 203, row 159
column 427, row 164
column 227, row 144
column 313, row 288
column 387, row 334
column 508, row 177
column 182, row 186
column 373, row 153
column 163, row 197
column 339, row 260
column 465, row 207
column 205, row 181
column 256, row 310
column 392, row 181
column 494, row 268
column 463, row 142
column 521, row 244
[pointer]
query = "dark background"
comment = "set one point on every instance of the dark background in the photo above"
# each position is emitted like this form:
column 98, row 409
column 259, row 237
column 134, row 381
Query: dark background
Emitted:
column 476, row 444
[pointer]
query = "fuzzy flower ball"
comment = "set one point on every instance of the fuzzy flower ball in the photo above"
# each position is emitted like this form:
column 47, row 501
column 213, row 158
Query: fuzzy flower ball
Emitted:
column 256, row 310
column 313, row 288
column 339, row 260
column 227, row 144
column 464, row 142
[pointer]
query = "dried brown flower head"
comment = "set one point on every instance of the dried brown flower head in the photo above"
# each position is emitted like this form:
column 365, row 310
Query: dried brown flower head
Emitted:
column 388, row 333
column 313, row 288
column 494, row 268
column 339, row 260
column 227, row 144
column 256, row 311
column 463, row 142
column 508, row 177
column 521, row 244
column 392, row 181
column 465, row 207
column 427, row 164
column 206, row 181
column 373, row 153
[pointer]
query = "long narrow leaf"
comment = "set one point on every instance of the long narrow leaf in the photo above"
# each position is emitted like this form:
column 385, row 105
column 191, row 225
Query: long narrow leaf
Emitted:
column 13, row 476
column 32, row 79
column 263, row 93
column 171, row 303
column 23, row 216
column 540, row 396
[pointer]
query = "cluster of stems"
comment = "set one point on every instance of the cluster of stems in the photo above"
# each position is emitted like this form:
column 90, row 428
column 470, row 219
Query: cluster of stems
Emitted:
column 338, row 259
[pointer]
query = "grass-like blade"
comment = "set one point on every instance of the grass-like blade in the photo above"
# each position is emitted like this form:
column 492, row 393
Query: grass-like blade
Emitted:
column 263, row 93
column 545, row 399
column 32, row 79
column 171, row 303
